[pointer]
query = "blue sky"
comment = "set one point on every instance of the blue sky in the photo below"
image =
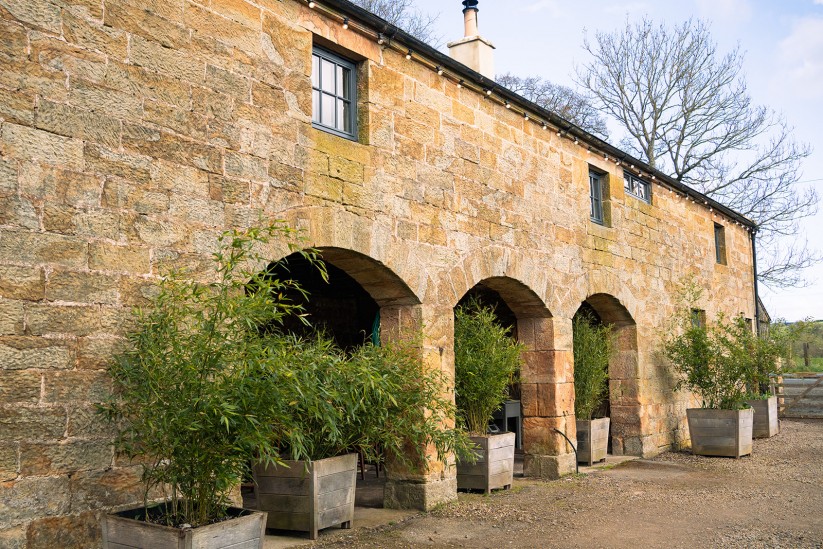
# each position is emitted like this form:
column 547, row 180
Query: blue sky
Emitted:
column 782, row 40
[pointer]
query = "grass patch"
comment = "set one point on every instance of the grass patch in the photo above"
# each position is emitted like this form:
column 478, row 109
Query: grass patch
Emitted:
column 815, row 365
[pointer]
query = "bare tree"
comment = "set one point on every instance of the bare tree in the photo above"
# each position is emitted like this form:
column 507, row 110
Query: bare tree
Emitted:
column 402, row 14
column 687, row 112
column 561, row 100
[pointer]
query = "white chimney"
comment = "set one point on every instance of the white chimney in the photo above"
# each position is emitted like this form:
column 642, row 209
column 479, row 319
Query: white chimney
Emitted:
column 473, row 50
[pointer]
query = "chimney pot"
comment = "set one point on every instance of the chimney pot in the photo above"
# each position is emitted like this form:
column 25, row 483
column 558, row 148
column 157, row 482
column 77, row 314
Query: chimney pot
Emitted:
column 473, row 50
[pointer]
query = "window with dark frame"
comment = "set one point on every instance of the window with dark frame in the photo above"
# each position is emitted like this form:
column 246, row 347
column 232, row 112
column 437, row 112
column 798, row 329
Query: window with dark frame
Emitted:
column 698, row 318
column 636, row 187
column 720, row 243
column 334, row 89
column 596, row 196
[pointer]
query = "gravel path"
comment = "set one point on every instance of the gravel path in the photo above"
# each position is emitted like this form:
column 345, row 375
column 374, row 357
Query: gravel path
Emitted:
column 773, row 498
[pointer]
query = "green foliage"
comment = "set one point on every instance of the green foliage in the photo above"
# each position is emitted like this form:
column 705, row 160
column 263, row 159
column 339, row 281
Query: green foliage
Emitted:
column 807, row 332
column 724, row 363
column 378, row 399
column 592, row 349
column 486, row 360
column 209, row 385
column 192, row 392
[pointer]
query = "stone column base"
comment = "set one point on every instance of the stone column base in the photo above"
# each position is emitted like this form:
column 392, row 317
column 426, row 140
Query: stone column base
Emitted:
column 548, row 467
column 407, row 494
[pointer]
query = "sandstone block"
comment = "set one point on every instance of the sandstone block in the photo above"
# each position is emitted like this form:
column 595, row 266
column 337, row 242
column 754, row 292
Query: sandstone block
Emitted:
column 60, row 319
column 108, row 257
column 9, row 464
column 20, row 387
column 82, row 287
column 70, row 121
column 37, row 248
column 38, row 424
column 208, row 24
column 96, row 489
column 346, row 170
column 540, row 438
column 94, row 36
column 85, row 421
column 24, row 352
column 66, row 187
column 104, row 161
column 43, row 459
column 92, row 97
column 17, row 107
column 76, row 386
column 122, row 195
column 81, row 530
column 96, row 353
column 144, row 22
column 195, row 210
column 26, row 143
column 228, row 190
column 154, row 57
column 159, row 234
column 33, row 498
column 18, row 211
column 13, row 538
column 163, row 145
column 39, row 15
column 223, row 81
column 245, row 166
column 11, row 317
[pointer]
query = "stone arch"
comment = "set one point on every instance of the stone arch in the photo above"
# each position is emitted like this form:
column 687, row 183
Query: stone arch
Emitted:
column 624, row 404
column 547, row 393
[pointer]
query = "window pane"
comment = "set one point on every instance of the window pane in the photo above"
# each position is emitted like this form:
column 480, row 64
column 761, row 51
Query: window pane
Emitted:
column 345, row 109
column 345, row 78
column 327, row 76
column 327, row 111
column 315, row 106
column 315, row 71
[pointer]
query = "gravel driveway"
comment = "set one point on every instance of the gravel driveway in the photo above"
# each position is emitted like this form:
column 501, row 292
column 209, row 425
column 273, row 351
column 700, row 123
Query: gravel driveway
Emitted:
column 773, row 498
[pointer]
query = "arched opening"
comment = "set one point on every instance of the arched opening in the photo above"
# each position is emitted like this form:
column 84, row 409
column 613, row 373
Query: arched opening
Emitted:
column 536, row 401
column 362, row 301
column 621, row 403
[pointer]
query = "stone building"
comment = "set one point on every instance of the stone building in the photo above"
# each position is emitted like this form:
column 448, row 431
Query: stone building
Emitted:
column 133, row 132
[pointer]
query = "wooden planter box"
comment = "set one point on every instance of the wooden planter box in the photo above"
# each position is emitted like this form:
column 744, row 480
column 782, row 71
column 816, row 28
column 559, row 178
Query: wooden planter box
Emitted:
column 592, row 440
column 308, row 496
column 494, row 467
column 765, row 417
column 245, row 530
column 720, row 432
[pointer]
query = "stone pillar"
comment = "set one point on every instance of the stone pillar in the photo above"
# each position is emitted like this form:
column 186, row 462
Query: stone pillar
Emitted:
column 436, row 483
column 547, row 396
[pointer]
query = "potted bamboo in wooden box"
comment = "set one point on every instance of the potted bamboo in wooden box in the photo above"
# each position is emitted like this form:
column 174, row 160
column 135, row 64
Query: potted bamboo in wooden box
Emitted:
column 592, row 349
column 375, row 400
column 766, row 352
column 485, row 363
column 713, row 364
column 192, row 402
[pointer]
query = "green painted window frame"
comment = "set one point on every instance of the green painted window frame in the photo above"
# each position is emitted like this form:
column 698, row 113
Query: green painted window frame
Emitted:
column 341, row 94
column 596, row 197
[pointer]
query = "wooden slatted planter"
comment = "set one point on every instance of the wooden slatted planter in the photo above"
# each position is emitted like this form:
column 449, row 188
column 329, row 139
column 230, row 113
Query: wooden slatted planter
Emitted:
column 720, row 432
column 765, row 417
column 308, row 497
column 244, row 531
column 592, row 440
column 494, row 467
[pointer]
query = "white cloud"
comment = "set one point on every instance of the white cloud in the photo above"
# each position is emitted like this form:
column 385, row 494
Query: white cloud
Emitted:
column 801, row 58
column 725, row 11
column 818, row 2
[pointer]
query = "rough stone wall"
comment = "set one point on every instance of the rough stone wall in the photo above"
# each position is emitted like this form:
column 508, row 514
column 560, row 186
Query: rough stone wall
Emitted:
column 132, row 132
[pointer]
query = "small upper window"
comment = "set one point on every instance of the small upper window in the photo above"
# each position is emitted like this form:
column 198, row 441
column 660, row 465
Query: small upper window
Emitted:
column 333, row 93
column 637, row 187
column 698, row 318
column 720, row 243
column 596, row 196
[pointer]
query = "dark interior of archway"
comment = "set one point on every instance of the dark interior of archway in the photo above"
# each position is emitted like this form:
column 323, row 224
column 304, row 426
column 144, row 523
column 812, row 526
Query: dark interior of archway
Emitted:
column 604, row 408
column 491, row 298
column 340, row 308
column 505, row 317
